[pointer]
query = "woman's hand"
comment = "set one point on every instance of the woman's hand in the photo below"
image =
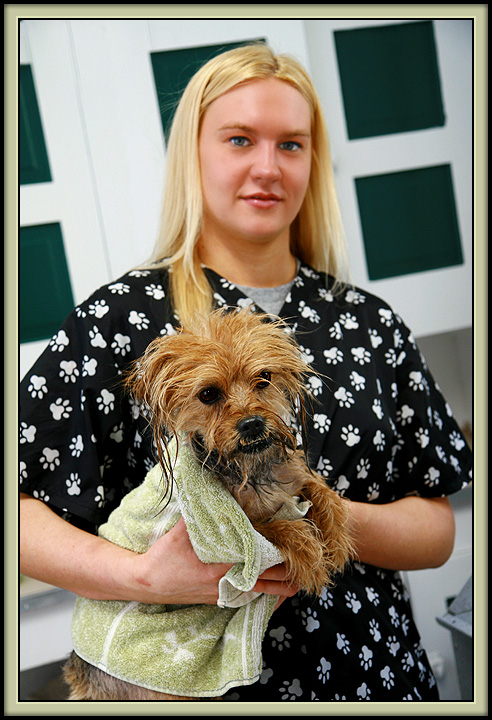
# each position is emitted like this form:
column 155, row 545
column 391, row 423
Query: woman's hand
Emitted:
column 412, row 533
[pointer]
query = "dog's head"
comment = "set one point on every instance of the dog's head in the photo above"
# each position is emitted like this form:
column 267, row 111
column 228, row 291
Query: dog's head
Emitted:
column 229, row 383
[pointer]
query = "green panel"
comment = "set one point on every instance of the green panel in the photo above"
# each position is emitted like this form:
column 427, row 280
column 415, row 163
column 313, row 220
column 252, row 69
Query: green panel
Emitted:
column 33, row 159
column 45, row 292
column 173, row 69
column 409, row 221
column 390, row 79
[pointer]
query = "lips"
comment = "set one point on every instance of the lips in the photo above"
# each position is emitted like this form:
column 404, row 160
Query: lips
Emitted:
column 262, row 200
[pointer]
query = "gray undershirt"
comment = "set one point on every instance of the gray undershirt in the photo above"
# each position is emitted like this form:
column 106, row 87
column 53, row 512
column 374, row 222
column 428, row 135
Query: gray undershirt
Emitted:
column 269, row 299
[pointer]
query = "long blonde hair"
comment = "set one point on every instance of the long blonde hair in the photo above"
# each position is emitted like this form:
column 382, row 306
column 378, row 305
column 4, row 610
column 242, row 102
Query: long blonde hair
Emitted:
column 316, row 233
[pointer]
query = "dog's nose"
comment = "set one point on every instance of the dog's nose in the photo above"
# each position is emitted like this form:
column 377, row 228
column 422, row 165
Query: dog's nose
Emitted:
column 251, row 427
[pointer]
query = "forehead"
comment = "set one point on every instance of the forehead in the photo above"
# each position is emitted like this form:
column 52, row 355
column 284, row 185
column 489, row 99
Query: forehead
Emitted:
column 270, row 101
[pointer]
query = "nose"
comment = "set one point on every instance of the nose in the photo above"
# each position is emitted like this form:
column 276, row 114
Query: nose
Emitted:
column 266, row 164
column 251, row 427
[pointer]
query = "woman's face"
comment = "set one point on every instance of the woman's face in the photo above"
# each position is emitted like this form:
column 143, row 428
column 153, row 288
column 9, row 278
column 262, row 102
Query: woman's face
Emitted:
column 255, row 159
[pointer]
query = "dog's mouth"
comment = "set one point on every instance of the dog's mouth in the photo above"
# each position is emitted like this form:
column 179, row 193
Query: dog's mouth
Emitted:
column 255, row 446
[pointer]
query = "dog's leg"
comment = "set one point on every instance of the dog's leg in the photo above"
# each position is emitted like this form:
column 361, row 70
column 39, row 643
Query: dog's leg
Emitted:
column 87, row 682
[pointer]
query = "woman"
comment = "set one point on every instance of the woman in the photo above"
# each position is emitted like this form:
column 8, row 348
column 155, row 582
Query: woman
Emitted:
column 250, row 217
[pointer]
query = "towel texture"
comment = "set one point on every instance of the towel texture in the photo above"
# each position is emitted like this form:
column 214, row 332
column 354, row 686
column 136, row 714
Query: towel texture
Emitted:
column 190, row 650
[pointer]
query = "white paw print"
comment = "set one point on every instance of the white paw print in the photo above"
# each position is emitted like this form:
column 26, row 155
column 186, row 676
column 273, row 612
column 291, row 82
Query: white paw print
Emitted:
column 89, row 366
column 324, row 467
column 361, row 355
column 99, row 308
column 265, row 676
column 363, row 468
column 358, row 381
column 119, row 288
column 456, row 441
column 344, row 397
column 364, row 692
column 372, row 596
column 416, row 380
column 405, row 415
column 342, row 484
column 375, row 339
column 350, row 435
column 333, row 356
column 309, row 619
column 308, row 312
column 96, row 338
column 291, row 690
column 388, row 677
column 60, row 409
column 77, row 446
column 323, row 669
column 335, row 332
column 22, row 470
column 352, row 602
column 374, row 630
column 432, row 476
column 365, row 657
column 139, row 319
column 155, row 291
column 422, row 436
column 321, row 422
column 326, row 598
column 37, row 386
column 168, row 329
column 393, row 359
column 372, row 492
column 408, row 662
column 100, row 496
column 121, row 344
column 105, row 401
column 59, row 341
column 280, row 637
column 379, row 440
column 349, row 322
column 386, row 317
column 139, row 273
column 73, row 484
column 50, row 459
column 377, row 409
column 117, row 433
column 355, row 297
column 314, row 385
column 68, row 371
column 394, row 617
column 393, row 645
column 41, row 495
column 326, row 295
column 343, row 644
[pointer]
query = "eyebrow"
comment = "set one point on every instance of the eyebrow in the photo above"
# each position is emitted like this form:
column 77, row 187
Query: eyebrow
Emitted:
column 248, row 129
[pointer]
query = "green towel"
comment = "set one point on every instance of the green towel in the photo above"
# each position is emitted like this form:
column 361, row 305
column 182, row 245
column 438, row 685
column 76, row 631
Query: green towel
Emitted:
column 189, row 650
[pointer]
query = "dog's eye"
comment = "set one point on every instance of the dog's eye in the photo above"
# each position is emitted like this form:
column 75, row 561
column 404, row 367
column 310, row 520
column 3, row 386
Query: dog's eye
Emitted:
column 265, row 382
column 209, row 396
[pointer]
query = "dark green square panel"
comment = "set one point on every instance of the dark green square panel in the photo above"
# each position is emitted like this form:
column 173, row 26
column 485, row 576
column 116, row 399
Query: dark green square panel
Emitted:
column 390, row 79
column 33, row 159
column 173, row 69
column 45, row 291
column 409, row 221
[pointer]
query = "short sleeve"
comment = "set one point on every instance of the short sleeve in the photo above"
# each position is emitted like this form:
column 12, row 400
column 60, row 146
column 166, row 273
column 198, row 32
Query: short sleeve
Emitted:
column 82, row 444
column 432, row 457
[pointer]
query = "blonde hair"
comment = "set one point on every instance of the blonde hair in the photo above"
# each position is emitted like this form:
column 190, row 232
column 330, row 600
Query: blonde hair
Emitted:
column 316, row 233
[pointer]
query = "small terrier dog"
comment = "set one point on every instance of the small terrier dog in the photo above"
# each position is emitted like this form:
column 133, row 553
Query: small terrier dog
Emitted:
column 230, row 385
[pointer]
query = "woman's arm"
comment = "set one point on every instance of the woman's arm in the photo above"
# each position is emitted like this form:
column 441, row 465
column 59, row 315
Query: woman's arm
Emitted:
column 409, row 534
column 55, row 552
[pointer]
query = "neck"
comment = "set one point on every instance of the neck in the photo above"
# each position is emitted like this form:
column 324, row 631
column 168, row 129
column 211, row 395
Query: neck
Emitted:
column 250, row 265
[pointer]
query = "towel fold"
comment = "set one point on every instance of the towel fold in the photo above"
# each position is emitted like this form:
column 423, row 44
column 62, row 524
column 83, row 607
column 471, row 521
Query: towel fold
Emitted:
column 189, row 650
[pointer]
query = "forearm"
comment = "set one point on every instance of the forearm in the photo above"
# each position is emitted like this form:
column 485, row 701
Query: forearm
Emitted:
column 54, row 551
column 412, row 533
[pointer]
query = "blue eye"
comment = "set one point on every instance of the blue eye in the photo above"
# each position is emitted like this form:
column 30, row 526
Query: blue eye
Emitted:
column 239, row 141
column 291, row 145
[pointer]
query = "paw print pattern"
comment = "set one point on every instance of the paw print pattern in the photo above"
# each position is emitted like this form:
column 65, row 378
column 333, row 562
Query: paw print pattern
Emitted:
column 96, row 338
column 393, row 645
column 50, row 459
column 352, row 602
column 77, row 446
column 59, row 342
column 326, row 598
column 431, row 477
column 333, row 356
column 374, row 630
column 310, row 619
column 307, row 312
column 121, row 344
column 405, row 415
column 37, row 387
column 344, row 397
column 99, row 308
column 361, row 355
column 324, row 467
column 364, row 692
column 350, row 435
column 155, row 291
column 60, row 409
column 343, row 644
column 314, row 385
column 73, row 484
column 280, row 637
column 422, row 437
column 365, row 657
column 139, row 320
column 291, row 690
column 372, row 595
column 358, row 381
column 323, row 669
column 388, row 677
column 105, row 401
column 321, row 422
column 407, row 661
